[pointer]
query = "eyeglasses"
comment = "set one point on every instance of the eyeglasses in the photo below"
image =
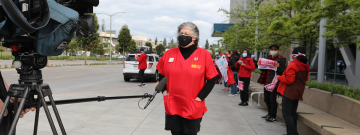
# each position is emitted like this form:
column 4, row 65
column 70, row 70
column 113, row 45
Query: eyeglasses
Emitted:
column 274, row 49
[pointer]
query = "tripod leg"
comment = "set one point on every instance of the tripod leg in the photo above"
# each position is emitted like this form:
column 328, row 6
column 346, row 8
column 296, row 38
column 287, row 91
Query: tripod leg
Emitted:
column 48, row 115
column 6, row 103
column 17, row 114
column 36, row 118
column 57, row 115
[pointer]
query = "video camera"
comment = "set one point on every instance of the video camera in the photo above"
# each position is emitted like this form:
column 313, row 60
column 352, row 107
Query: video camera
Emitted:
column 35, row 29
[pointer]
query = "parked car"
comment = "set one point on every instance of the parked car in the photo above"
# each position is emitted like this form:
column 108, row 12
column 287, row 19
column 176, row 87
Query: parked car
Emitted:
column 131, row 71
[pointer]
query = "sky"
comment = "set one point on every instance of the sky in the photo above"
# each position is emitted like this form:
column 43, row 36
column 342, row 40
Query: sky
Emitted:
column 160, row 18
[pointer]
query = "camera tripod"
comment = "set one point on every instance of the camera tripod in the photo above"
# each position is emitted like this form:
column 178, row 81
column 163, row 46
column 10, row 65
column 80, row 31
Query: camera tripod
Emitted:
column 31, row 85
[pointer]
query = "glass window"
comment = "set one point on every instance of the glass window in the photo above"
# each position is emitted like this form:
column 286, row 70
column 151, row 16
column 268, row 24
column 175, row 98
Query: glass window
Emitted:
column 150, row 59
column 330, row 77
column 157, row 58
column 341, row 78
column 330, row 60
column 130, row 58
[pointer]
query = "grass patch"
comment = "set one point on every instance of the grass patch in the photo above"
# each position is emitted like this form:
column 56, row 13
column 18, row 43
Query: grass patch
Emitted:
column 80, row 58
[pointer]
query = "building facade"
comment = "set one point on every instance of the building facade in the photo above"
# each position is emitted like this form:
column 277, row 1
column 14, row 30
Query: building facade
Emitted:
column 141, row 41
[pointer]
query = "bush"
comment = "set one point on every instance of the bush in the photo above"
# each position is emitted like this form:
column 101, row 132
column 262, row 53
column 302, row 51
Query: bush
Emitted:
column 257, row 71
column 6, row 66
column 98, row 63
column 335, row 88
column 12, row 66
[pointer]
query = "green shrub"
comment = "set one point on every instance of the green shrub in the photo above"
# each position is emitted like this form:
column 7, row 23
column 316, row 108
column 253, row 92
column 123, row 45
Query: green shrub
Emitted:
column 335, row 88
column 12, row 66
column 257, row 71
column 6, row 66
column 98, row 63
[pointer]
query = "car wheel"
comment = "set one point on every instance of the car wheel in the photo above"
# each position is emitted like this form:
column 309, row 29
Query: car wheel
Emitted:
column 156, row 78
column 126, row 79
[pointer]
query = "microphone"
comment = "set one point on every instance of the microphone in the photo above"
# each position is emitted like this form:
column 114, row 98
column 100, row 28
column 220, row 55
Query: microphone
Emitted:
column 158, row 89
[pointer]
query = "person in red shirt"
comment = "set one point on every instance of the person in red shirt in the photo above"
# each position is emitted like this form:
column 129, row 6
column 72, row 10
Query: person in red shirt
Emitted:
column 191, row 77
column 142, row 66
column 292, row 86
column 245, row 65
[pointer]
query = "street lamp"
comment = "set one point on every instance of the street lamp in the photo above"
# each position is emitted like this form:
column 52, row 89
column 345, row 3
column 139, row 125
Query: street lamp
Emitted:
column 110, row 32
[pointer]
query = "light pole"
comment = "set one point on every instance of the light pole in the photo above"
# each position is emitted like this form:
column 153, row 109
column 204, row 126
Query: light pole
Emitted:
column 110, row 33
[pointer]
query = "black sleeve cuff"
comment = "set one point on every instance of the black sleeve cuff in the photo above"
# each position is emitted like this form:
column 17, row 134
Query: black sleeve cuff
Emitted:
column 160, row 78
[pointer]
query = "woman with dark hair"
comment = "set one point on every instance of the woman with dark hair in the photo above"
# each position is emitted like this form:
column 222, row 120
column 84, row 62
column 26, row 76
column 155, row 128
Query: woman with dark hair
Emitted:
column 191, row 77
column 292, row 86
column 231, row 64
column 245, row 65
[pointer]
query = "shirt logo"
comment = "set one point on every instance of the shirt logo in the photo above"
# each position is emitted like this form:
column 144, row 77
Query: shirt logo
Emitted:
column 171, row 60
column 196, row 59
column 195, row 66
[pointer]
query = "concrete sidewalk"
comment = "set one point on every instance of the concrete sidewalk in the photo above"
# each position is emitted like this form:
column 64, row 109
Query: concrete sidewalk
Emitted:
column 123, row 117
column 62, row 62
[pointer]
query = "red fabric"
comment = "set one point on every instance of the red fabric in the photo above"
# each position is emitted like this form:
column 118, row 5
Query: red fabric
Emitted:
column 288, row 76
column 231, row 79
column 266, row 73
column 245, row 71
column 186, row 78
column 302, row 66
column 142, row 61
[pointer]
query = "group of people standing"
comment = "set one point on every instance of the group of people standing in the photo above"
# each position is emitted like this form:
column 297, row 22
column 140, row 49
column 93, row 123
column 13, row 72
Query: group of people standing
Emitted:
column 239, row 69
column 290, row 84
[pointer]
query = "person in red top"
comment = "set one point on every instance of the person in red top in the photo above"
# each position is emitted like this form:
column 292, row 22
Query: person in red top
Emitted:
column 245, row 65
column 142, row 66
column 191, row 77
column 292, row 86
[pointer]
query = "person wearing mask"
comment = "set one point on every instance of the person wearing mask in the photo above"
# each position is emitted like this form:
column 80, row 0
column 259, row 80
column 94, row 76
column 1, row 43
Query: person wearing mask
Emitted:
column 8, row 116
column 292, row 86
column 231, row 66
column 245, row 65
column 191, row 77
column 228, row 56
column 267, row 77
column 142, row 66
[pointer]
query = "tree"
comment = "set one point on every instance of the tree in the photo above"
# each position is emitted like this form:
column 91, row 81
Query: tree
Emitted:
column 156, row 41
column 124, row 39
column 131, row 47
column 172, row 46
column 72, row 47
column 92, row 41
column 149, row 39
column 99, row 50
column 164, row 43
column 207, row 44
column 103, row 25
column 149, row 45
column 160, row 49
column 172, row 41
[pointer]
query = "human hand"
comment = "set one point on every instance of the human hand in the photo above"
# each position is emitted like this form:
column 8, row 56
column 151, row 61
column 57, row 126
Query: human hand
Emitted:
column 165, row 93
column 277, row 64
column 243, row 64
column 23, row 112
column 240, row 61
column 198, row 99
column 226, row 67
column 277, row 77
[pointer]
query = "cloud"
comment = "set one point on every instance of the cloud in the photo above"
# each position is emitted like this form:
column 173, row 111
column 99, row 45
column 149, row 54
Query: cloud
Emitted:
column 160, row 18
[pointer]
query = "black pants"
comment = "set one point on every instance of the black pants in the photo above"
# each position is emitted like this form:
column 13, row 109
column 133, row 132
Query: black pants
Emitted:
column 182, row 126
column 271, row 103
column 289, row 108
column 244, row 94
column 141, row 75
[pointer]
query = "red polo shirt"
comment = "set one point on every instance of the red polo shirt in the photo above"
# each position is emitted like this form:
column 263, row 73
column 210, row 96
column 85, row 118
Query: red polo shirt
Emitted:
column 186, row 78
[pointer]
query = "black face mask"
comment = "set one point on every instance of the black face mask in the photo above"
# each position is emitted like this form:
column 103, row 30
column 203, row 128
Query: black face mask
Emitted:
column 184, row 40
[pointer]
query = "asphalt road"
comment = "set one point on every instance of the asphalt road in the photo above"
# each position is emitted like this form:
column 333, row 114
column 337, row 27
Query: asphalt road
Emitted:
column 78, row 78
